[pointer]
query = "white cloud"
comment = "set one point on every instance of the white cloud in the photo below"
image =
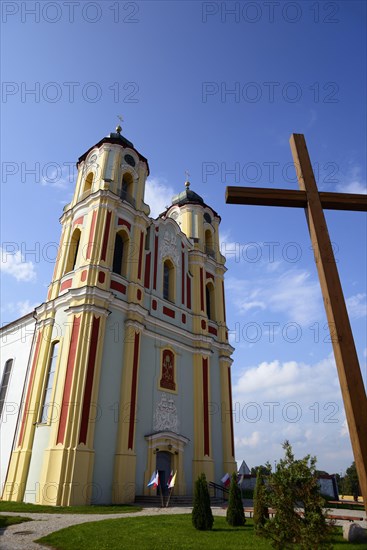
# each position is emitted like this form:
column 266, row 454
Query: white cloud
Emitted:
column 293, row 293
column 16, row 266
column 353, row 187
column 353, row 183
column 274, row 401
column 20, row 308
column 158, row 195
column 58, row 176
column 357, row 306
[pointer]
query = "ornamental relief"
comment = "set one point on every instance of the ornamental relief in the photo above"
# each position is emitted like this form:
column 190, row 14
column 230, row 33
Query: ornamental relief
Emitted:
column 165, row 417
column 168, row 247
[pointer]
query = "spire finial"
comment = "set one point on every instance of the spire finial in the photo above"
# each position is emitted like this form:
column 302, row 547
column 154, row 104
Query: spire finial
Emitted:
column 118, row 127
column 187, row 183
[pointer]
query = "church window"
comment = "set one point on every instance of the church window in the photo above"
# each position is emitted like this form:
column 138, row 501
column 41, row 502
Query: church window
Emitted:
column 168, row 281
column 129, row 159
column 5, row 383
column 126, row 193
column 209, row 243
column 88, row 183
column 167, row 380
column 73, row 251
column 120, row 254
column 210, row 303
column 49, row 382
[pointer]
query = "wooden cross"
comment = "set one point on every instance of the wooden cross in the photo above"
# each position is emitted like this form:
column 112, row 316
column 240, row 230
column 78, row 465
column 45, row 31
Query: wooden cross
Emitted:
column 313, row 201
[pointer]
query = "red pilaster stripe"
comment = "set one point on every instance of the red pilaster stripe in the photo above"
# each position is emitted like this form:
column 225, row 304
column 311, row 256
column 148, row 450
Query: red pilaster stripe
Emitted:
column 155, row 262
column 188, row 284
column 89, row 381
column 68, row 380
column 91, row 234
column 106, row 235
column 30, row 387
column 230, row 407
column 140, row 254
column 206, row 406
column 147, row 271
column 224, row 303
column 133, row 391
column 201, row 289
column 183, row 278
column 212, row 330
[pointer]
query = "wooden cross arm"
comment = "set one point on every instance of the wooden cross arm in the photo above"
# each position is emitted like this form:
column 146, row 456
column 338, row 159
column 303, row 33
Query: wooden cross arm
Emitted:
column 294, row 198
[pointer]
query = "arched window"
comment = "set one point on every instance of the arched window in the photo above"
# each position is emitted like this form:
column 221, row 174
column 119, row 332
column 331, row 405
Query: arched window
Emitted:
column 209, row 243
column 210, row 301
column 127, row 184
column 49, row 382
column 121, row 253
column 5, row 383
column 168, row 281
column 88, row 183
column 167, row 380
column 73, row 251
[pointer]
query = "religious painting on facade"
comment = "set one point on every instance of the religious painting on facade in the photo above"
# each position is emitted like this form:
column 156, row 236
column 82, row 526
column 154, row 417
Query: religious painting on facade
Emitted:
column 168, row 370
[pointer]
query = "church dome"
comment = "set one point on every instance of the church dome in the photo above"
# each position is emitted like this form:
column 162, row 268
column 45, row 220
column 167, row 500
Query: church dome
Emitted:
column 187, row 196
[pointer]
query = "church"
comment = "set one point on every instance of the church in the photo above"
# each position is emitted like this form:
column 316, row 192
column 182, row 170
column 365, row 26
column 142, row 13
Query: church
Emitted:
column 125, row 369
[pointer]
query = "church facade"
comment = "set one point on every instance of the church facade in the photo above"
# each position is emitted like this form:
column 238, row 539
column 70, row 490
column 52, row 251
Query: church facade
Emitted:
column 128, row 369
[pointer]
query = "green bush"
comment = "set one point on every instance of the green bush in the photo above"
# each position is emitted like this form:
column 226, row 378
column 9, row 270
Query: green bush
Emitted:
column 261, row 512
column 235, row 512
column 202, row 517
column 294, row 484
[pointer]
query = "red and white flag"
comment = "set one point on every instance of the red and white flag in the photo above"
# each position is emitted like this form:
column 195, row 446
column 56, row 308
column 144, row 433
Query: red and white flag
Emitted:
column 154, row 480
column 226, row 479
column 169, row 479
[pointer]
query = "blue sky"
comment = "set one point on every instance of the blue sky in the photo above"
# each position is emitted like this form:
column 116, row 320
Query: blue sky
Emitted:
column 215, row 88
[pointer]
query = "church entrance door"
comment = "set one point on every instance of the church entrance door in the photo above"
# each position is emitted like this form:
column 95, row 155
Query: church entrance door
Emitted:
column 164, row 470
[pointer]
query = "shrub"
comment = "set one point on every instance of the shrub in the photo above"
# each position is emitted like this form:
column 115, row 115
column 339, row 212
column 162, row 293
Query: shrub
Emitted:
column 261, row 512
column 294, row 484
column 235, row 512
column 202, row 517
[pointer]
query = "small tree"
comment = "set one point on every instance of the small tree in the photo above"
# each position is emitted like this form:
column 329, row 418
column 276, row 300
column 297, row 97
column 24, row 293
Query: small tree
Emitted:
column 261, row 512
column 235, row 512
column 202, row 517
column 294, row 484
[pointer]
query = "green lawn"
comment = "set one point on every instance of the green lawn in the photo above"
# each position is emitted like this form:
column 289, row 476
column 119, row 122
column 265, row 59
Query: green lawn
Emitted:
column 164, row 533
column 5, row 521
column 37, row 508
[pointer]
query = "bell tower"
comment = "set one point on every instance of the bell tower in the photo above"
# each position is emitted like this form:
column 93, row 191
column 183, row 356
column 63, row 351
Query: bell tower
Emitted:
column 130, row 370
column 100, row 255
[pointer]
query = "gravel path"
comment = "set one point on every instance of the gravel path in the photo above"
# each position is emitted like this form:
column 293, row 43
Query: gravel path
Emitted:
column 21, row 536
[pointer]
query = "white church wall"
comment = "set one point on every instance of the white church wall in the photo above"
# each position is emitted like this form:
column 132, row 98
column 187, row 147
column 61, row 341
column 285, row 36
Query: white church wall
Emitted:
column 106, row 411
column 218, row 416
column 16, row 343
column 40, row 443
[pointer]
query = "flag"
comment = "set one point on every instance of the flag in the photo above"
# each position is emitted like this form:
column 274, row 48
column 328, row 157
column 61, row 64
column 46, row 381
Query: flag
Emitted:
column 240, row 479
column 154, row 480
column 169, row 479
column 172, row 482
column 226, row 480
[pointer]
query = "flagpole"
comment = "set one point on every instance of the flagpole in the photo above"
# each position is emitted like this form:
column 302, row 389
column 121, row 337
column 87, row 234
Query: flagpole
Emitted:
column 169, row 497
column 160, row 487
